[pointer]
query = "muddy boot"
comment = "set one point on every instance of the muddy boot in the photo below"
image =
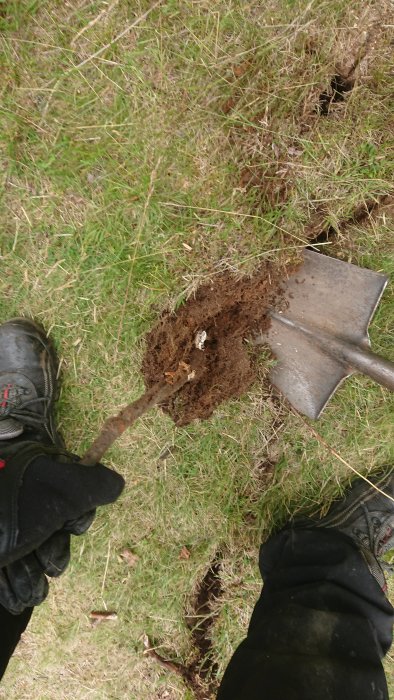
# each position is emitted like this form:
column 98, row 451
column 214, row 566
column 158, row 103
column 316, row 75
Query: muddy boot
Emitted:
column 367, row 517
column 28, row 387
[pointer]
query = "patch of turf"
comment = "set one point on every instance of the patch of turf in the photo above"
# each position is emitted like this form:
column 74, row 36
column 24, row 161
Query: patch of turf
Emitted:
column 190, row 146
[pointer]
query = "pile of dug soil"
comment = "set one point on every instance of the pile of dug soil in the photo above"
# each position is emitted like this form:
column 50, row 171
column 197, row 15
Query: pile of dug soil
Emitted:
column 229, row 310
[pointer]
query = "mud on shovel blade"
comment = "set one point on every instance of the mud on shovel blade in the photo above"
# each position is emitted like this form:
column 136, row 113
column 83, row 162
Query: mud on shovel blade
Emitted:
column 322, row 336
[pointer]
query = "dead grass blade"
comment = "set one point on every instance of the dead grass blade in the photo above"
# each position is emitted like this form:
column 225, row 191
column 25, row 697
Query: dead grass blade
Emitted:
column 94, row 21
column 339, row 457
column 236, row 213
column 140, row 229
column 100, row 51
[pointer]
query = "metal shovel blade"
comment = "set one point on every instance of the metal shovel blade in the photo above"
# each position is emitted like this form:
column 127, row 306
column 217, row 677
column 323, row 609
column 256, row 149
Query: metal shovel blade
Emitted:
column 322, row 335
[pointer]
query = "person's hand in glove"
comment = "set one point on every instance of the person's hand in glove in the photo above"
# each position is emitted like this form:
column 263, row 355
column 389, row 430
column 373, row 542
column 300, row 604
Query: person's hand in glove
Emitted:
column 42, row 502
column 45, row 494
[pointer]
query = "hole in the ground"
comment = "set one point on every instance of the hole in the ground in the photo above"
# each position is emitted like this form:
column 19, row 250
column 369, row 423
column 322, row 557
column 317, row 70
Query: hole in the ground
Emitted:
column 340, row 85
column 360, row 214
column 324, row 236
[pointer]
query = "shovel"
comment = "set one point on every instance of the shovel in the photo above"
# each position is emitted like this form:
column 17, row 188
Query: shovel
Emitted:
column 321, row 337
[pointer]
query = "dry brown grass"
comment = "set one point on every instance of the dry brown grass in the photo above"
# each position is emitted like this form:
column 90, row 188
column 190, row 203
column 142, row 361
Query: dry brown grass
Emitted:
column 214, row 92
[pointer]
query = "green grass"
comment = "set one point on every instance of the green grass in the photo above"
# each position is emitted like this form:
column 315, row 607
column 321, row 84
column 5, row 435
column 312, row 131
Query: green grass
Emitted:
column 121, row 190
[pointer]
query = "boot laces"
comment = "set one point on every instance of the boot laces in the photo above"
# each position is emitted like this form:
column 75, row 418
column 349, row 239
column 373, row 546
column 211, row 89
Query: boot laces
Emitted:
column 377, row 538
column 12, row 405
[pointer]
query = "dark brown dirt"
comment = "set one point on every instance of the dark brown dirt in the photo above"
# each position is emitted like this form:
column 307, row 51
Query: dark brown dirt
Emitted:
column 229, row 310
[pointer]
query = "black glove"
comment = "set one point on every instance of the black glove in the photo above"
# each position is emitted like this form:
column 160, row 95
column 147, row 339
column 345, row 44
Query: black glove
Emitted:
column 44, row 499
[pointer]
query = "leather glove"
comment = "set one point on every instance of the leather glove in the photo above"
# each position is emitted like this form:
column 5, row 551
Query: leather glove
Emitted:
column 43, row 500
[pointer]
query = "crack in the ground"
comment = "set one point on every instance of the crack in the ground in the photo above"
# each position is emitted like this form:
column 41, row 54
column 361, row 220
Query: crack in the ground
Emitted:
column 200, row 622
column 340, row 85
column 267, row 160
column 362, row 213
column 200, row 674
column 343, row 81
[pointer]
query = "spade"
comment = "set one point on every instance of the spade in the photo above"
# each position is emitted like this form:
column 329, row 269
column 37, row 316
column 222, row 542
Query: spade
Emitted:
column 321, row 335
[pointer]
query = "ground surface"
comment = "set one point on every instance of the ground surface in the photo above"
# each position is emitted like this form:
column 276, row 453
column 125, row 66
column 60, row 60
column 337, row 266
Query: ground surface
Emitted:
column 207, row 138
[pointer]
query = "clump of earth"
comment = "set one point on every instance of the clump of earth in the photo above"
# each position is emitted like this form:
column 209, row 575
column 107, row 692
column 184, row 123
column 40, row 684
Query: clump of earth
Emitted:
column 209, row 332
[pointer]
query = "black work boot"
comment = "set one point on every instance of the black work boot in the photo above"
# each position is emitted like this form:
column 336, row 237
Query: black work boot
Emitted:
column 367, row 517
column 28, row 386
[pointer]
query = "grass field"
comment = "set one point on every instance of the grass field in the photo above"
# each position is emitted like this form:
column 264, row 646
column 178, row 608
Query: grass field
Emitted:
column 144, row 148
